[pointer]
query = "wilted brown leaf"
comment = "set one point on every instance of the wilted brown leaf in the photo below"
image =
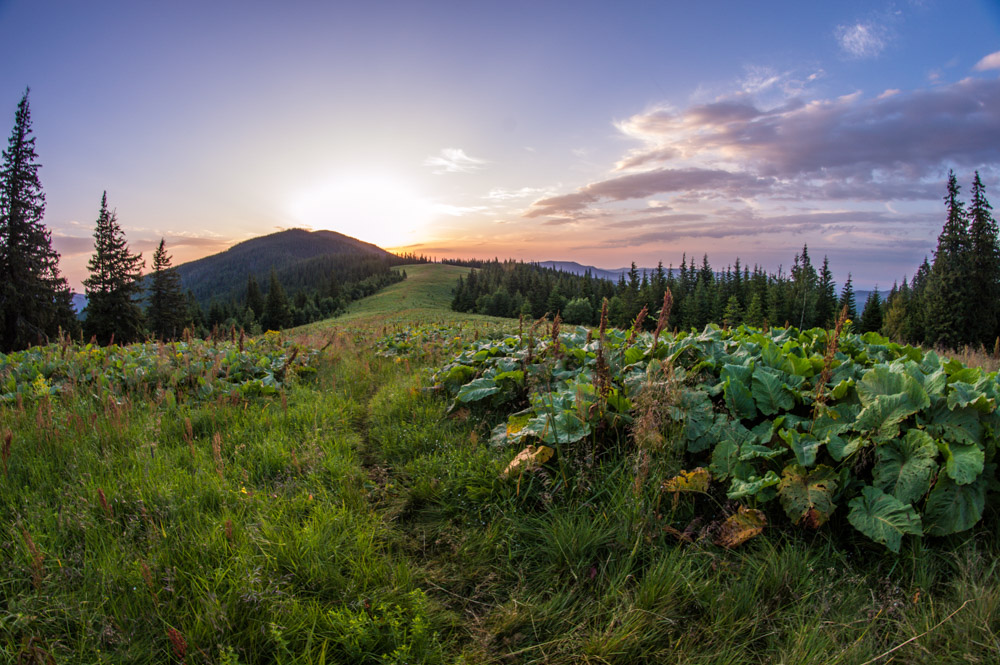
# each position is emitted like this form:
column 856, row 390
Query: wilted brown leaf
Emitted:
column 740, row 527
column 528, row 458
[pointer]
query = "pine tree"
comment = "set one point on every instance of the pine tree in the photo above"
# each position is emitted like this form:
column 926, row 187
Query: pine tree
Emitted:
column 733, row 314
column 255, row 299
column 277, row 313
column 114, row 287
column 167, row 305
column 984, row 269
column 755, row 312
column 847, row 299
column 946, row 297
column 871, row 317
column 803, row 290
column 34, row 298
column 826, row 300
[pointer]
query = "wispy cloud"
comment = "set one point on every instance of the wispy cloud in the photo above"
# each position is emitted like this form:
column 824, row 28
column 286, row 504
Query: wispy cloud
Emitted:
column 648, row 183
column 454, row 160
column 749, row 223
column 992, row 61
column 862, row 40
column 501, row 194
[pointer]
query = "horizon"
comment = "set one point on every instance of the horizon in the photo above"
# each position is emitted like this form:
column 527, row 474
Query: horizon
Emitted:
column 602, row 135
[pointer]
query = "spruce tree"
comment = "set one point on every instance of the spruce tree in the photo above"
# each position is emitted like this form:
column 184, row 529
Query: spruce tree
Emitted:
column 755, row 312
column 947, row 288
column 255, row 299
column 871, row 317
column 277, row 313
column 803, row 305
column 984, row 269
column 847, row 299
column 34, row 298
column 167, row 305
column 826, row 300
column 114, row 287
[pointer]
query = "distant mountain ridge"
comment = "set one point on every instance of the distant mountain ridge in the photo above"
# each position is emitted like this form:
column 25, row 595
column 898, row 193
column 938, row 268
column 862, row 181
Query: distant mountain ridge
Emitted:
column 614, row 274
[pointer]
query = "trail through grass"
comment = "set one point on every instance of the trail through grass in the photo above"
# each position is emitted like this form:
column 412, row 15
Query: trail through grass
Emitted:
column 351, row 519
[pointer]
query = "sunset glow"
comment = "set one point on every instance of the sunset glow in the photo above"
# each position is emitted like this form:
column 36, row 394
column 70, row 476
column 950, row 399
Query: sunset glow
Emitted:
column 380, row 209
column 604, row 134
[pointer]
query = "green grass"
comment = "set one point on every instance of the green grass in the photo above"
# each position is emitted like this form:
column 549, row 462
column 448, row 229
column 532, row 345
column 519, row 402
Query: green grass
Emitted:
column 351, row 519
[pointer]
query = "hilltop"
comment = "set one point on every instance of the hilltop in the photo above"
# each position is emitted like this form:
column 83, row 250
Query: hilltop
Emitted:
column 290, row 252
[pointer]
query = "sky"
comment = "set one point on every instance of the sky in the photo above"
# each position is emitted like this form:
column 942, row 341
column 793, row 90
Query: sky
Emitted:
column 597, row 132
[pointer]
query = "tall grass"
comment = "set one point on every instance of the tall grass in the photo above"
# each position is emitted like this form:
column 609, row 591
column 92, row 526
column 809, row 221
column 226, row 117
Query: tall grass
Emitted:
column 352, row 519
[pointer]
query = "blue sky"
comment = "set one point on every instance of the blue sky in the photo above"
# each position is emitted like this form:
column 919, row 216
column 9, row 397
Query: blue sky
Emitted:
column 597, row 132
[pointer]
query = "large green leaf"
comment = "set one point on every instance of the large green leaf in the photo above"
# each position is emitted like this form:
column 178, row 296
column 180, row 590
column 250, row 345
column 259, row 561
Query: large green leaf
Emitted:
column 770, row 392
column 963, row 461
column 965, row 394
column 698, row 413
column 805, row 446
column 952, row 507
column 888, row 398
column 883, row 518
column 958, row 426
column 565, row 427
column 752, row 486
column 905, row 466
column 726, row 460
column 739, row 399
column 807, row 496
column 477, row 389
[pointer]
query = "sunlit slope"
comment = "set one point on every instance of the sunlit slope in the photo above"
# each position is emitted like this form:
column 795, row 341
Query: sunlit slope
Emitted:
column 423, row 297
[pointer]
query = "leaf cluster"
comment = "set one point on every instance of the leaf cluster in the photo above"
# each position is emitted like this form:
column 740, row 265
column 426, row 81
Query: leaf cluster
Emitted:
column 903, row 440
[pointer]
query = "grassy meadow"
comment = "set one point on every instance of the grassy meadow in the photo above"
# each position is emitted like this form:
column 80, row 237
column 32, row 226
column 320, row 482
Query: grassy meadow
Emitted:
column 346, row 516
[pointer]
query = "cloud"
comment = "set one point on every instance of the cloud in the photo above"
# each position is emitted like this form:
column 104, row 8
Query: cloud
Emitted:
column 992, row 61
column 454, row 160
column 501, row 194
column 748, row 223
column 72, row 245
column 862, row 40
column 648, row 183
column 908, row 133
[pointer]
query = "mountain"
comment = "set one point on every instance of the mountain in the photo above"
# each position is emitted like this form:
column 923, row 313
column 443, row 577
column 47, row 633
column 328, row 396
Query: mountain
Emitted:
column 575, row 268
column 302, row 259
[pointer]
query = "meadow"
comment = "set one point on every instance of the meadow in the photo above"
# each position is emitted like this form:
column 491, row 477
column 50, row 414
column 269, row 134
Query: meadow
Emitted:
column 323, row 496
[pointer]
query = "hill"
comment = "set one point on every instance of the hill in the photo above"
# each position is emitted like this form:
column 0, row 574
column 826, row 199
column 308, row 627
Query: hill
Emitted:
column 289, row 253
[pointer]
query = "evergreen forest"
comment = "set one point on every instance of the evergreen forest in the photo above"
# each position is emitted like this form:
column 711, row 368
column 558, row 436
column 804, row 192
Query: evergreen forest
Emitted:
column 950, row 302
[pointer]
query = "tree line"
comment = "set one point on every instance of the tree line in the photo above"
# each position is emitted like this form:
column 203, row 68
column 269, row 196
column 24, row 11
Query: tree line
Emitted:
column 123, row 304
column 950, row 302
column 701, row 295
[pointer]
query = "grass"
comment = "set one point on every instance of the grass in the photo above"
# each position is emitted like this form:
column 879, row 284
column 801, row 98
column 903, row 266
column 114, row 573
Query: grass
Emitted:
column 351, row 519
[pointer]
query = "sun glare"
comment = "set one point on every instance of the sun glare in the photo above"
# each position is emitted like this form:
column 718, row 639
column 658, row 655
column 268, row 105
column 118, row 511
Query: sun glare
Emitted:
column 376, row 208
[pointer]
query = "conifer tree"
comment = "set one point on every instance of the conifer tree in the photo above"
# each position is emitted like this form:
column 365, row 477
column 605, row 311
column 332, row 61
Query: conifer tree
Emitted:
column 803, row 290
column 826, row 298
column 755, row 312
column 871, row 317
column 34, row 298
column 255, row 299
column 946, row 299
column 114, row 287
column 847, row 299
column 167, row 311
column 277, row 313
column 733, row 314
column 984, row 269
